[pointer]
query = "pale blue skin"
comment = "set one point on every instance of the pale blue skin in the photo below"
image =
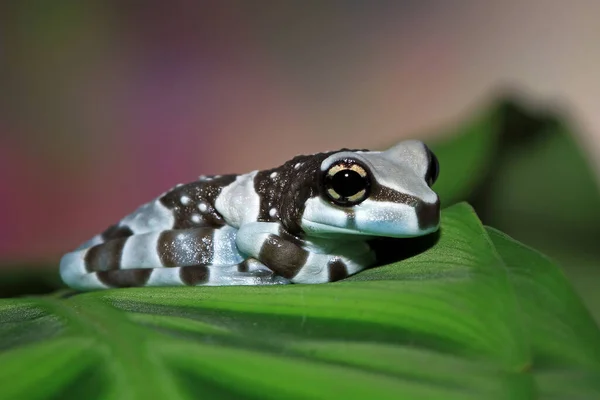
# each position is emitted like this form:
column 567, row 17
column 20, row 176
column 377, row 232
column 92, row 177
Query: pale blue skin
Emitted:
column 249, row 248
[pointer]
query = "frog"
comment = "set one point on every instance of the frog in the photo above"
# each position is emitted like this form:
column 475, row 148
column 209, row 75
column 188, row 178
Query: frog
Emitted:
column 310, row 220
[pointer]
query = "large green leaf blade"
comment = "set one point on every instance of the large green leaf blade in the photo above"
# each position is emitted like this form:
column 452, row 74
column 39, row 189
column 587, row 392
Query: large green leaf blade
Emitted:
column 469, row 311
column 560, row 328
column 545, row 193
column 449, row 322
column 565, row 339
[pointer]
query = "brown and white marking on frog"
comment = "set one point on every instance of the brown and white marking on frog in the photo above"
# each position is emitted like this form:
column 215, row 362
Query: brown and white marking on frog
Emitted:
column 307, row 221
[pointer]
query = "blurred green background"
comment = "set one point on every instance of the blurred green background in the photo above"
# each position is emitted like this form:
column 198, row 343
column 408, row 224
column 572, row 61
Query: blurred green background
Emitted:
column 104, row 105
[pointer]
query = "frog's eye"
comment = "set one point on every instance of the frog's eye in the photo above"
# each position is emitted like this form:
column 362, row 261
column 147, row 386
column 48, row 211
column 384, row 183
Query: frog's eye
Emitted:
column 433, row 170
column 347, row 183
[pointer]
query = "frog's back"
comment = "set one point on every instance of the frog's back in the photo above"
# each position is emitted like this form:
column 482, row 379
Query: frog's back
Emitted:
column 272, row 195
column 189, row 205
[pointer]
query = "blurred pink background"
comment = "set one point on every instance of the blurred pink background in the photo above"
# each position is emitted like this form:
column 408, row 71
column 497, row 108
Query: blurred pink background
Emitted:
column 104, row 105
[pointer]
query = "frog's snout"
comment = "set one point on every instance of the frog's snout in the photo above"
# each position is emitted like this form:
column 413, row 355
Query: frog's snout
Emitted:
column 428, row 215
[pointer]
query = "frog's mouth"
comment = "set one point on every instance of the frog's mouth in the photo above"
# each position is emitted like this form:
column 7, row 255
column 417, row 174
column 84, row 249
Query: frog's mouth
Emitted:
column 371, row 219
column 327, row 231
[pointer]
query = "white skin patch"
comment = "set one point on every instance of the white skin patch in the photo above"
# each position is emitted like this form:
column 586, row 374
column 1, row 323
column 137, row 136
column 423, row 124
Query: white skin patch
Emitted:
column 150, row 217
column 225, row 251
column 321, row 217
column 370, row 218
column 238, row 203
column 246, row 238
column 315, row 269
column 298, row 165
column 273, row 212
column 202, row 207
column 389, row 219
column 165, row 277
column 273, row 175
column 185, row 200
column 196, row 218
column 140, row 251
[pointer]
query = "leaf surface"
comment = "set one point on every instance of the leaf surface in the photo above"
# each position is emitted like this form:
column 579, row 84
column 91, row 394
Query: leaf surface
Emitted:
column 476, row 315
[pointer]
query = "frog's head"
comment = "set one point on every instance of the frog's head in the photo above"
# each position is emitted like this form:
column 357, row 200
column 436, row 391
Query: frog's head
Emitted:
column 374, row 193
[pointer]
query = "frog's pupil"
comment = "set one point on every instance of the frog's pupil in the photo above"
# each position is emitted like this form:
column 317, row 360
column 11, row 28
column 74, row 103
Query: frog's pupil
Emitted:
column 348, row 182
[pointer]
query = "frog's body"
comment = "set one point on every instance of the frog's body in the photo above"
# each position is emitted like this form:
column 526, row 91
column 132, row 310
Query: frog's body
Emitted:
column 307, row 221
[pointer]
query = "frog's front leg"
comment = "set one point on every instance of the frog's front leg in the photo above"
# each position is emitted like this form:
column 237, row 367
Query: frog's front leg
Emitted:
column 197, row 256
column 305, row 262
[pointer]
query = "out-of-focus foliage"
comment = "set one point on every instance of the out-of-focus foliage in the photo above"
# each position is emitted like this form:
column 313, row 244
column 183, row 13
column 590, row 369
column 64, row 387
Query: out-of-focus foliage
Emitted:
column 476, row 315
column 466, row 155
column 525, row 174
column 468, row 313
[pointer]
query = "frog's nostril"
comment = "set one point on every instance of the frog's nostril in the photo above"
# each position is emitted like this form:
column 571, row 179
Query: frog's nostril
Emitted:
column 428, row 214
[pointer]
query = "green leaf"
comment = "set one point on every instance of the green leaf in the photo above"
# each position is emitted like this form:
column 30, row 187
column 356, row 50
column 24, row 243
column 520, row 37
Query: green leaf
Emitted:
column 466, row 155
column 564, row 339
column 525, row 173
column 543, row 191
column 475, row 316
